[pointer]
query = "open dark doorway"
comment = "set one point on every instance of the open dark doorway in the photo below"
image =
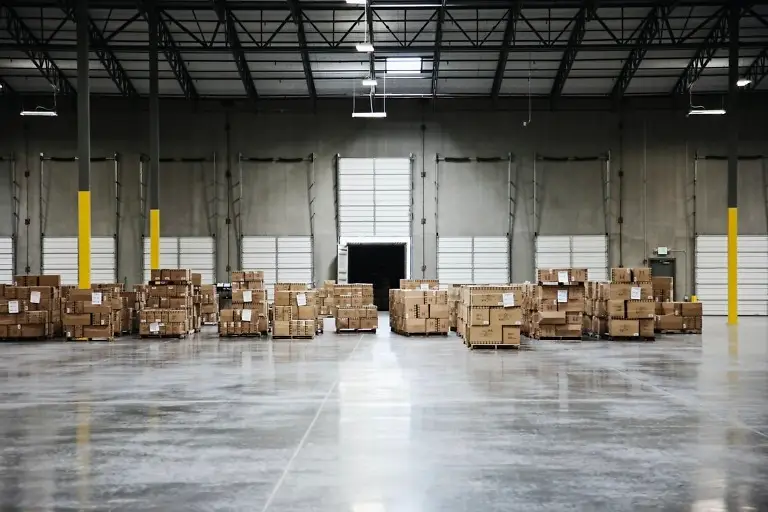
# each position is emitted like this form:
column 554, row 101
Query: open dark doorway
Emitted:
column 382, row 265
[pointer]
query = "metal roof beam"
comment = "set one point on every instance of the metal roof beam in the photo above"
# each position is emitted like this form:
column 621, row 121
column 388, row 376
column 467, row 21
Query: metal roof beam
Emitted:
column 297, row 19
column 171, row 51
column 40, row 58
column 651, row 27
column 572, row 49
column 438, row 44
column 227, row 19
column 103, row 52
column 716, row 39
column 509, row 38
column 757, row 70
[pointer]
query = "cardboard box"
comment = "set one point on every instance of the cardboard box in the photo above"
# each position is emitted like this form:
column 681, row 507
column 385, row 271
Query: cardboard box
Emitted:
column 441, row 311
column 640, row 309
column 669, row 323
column 641, row 275
column 691, row 309
column 623, row 328
column 510, row 335
column 621, row 275
column 647, row 326
column 506, row 316
column 484, row 334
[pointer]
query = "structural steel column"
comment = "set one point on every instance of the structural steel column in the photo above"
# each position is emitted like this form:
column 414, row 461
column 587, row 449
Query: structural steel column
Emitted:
column 83, row 150
column 154, row 142
column 733, row 164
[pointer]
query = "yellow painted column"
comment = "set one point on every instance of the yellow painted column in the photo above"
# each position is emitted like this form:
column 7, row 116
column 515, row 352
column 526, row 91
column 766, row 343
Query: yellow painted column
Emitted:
column 154, row 239
column 84, row 239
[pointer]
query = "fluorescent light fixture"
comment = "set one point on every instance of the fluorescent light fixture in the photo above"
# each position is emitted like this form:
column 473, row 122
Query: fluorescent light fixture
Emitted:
column 364, row 47
column 369, row 82
column 357, row 2
column 375, row 115
column 743, row 82
column 706, row 112
column 405, row 65
column 39, row 113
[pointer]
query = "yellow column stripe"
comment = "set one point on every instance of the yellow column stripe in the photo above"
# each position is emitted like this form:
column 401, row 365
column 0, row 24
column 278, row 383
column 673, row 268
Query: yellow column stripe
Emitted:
column 733, row 266
column 154, row 239
column 84, row 239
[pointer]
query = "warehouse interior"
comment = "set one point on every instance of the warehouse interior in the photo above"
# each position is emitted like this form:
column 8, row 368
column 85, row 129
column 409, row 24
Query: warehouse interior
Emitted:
column 500, row 137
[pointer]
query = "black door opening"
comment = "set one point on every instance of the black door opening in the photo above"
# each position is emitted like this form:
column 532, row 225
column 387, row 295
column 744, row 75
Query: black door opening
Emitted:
column 382, row 265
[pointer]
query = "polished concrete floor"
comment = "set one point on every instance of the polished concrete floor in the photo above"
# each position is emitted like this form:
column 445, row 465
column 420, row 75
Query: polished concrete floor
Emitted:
column 381, row 423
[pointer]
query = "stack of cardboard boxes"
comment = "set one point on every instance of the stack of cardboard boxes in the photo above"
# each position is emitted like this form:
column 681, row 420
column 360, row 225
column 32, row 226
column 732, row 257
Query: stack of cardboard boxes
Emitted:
column 353, row 308
column 415, row 311
column 169, row 310
column 556, row 304
column 88, row 314
column 295, row 311
column 27, row 312
column 325, row 299
column 209, row 304
column 490, row 315
column 624, row 308
column 679, row 317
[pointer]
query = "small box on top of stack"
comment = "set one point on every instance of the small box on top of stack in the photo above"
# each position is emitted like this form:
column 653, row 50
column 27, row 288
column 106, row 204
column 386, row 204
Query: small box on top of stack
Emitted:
column 29, row 311
column 88, row 315
column 490, row 316
column 169, row 308
column 624, row 308
column 295, row 311
column 248, row 314
column 415, row 311
column 354, row 309
column 557, row 304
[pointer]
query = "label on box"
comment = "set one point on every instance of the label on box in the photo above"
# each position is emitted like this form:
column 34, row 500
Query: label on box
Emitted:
column 247, row 296
column 424, row 286
column 508, row 299
column 245, row 315
column 13, row 306
column 34, row 297
column 562, row 276
column 636, row 293
column 96, row 298
column 562, row 296
column 301, row 299
column 154, row 327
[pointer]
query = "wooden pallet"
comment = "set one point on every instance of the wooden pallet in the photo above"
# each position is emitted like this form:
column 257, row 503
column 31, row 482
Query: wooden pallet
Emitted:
column 349, row 331
column 292, row 337
column 164, row 336
column 495, row 346
column 420, row 334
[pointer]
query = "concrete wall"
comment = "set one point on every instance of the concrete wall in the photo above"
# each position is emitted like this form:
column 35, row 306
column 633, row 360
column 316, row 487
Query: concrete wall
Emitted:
column 653, row 147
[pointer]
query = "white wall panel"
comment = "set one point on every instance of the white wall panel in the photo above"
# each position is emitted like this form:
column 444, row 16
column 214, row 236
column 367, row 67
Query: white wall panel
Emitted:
column 712, row 274
column 374, row 197
column 578, row 251
column 6, row 260
column 60, row 257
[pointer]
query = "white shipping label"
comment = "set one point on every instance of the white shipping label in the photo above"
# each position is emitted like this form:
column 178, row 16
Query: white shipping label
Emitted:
column 247, row 296
column 508, row 300
column 636, row 293
column 562, row 295
column 34, row 297
column 424, row 286
column 96, row 298
column 245, row 315
column 13, row 306
column 301, row 299
column 154, row 327
column 562, row 276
